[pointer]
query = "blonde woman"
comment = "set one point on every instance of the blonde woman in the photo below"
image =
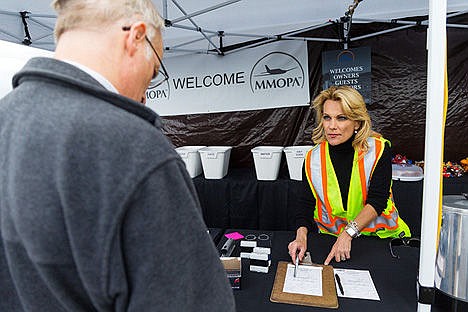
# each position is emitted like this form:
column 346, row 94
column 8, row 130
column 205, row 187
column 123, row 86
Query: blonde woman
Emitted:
column 347, row 178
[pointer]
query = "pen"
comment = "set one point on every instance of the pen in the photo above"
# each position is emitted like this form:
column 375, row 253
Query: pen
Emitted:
column 296, row 264
column 339, row 284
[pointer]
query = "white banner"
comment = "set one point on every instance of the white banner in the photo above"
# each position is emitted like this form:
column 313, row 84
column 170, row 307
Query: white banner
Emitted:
column 269, row 76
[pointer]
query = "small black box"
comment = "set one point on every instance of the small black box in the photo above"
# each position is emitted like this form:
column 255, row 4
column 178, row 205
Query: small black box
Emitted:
column 233, row 268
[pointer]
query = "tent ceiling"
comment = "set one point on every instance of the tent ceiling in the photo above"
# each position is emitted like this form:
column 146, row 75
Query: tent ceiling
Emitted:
column 239, row 20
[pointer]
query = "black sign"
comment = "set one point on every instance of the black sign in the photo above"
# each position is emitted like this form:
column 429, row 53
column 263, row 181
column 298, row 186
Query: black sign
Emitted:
column 348, row 67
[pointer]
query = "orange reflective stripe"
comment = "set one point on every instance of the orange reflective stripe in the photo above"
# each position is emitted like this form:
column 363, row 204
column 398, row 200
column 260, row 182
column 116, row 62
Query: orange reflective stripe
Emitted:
column 334, row 219
column 381, row 225
column 378, row 147
column 328, row 227
column 385, row 216
column 388, row 215
column 307, row 163
column 341, row 226
column 378, row 152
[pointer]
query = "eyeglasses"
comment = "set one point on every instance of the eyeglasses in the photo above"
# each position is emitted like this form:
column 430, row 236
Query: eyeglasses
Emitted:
column 404, row 241
column 162, row 70
column 261, row 237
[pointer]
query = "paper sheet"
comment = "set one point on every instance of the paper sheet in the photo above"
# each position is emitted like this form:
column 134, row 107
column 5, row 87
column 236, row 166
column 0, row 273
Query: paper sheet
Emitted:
column 356, row 284
column 308, row 280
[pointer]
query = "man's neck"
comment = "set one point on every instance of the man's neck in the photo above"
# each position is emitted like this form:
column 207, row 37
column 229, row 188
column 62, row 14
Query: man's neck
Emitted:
column 76, row 47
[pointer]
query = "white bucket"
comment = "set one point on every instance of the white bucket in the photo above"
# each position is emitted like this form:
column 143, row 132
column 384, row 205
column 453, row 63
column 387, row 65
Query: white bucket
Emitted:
column 215, row 161
column 267, row 161
column 295, row 158
column 406, row 172
column 191, row 157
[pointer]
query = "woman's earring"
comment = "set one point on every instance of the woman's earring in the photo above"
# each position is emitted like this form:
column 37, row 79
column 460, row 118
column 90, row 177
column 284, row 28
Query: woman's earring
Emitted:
column 355, row 131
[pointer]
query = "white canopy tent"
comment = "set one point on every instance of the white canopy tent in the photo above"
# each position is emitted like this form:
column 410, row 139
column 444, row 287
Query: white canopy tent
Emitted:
column 207, row 26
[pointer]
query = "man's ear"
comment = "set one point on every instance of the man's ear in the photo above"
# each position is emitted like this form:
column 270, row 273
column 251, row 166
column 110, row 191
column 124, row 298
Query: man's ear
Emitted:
column 136, row 37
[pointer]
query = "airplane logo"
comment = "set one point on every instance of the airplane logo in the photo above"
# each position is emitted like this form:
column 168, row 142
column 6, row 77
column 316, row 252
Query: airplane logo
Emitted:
column 274, row 71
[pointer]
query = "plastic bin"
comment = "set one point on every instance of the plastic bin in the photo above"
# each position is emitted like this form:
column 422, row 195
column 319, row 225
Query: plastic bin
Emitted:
column 215, row 161
column 191, row 157
column 405, row 172
column 295, row 158
column 267, row 161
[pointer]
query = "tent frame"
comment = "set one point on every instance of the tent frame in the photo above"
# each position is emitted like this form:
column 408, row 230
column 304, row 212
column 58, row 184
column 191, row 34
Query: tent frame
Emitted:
column 216, row 38
column 25, row 17
column 260, row 39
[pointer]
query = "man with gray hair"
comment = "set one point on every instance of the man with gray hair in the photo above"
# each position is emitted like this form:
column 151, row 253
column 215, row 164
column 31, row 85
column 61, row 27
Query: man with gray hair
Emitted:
column 97, row 210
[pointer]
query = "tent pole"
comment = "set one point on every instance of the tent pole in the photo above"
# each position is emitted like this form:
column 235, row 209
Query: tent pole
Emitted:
column 164, row 5
column 252, row 45
column 169, row 49
column 436, row 65
column 457, row 26
column 381, row 32
column 346, row 21
column 186, row 43
column 198, row 28
column 194, row 28
column 311, row 39
column 259, row 36
column 393, row 21
column 212, row 8
column 346, row 29
column 27, row 36
column 457, row 13
column 423, row 23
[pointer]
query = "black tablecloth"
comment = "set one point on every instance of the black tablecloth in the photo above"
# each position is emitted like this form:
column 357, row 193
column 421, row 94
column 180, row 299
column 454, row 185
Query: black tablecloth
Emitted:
column 241, row 201
column 394, row 279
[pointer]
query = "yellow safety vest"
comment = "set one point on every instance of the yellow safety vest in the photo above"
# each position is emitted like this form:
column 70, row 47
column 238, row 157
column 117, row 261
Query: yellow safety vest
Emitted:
column 329, row 213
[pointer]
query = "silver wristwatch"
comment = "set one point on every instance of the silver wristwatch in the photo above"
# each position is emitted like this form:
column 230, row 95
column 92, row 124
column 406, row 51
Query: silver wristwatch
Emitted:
column 352, row 229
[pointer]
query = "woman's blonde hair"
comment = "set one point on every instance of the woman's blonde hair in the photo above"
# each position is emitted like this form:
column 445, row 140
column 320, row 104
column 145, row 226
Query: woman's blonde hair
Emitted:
column 354, row 108
column 73, row 14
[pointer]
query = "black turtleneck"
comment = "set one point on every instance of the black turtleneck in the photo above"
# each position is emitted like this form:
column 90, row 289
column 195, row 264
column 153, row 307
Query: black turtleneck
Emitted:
column 342, row 159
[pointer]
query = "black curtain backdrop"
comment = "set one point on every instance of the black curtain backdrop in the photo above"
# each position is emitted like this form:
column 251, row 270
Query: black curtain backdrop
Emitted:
column 398, row 108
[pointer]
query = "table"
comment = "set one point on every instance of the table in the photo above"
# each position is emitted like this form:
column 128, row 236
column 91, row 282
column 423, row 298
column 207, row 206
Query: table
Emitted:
column 241, row 201
column 395, row 279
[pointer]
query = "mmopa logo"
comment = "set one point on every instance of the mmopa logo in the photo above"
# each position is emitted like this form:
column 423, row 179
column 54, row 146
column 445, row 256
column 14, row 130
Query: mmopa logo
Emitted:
column 157, row 92
column 276, row 71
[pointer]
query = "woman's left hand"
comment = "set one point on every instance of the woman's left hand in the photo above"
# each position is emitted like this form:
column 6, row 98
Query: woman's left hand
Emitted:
column 341, row 250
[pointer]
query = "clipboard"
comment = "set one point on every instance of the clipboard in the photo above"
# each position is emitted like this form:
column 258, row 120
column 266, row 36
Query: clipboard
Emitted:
column 329, row 299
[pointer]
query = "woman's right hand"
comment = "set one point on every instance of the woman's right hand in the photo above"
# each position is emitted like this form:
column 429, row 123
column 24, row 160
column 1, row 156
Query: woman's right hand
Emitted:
column 299, row 245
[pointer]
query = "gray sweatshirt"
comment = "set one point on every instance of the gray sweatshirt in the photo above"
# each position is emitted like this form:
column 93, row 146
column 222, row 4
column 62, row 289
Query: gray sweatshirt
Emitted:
column 97, row 211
